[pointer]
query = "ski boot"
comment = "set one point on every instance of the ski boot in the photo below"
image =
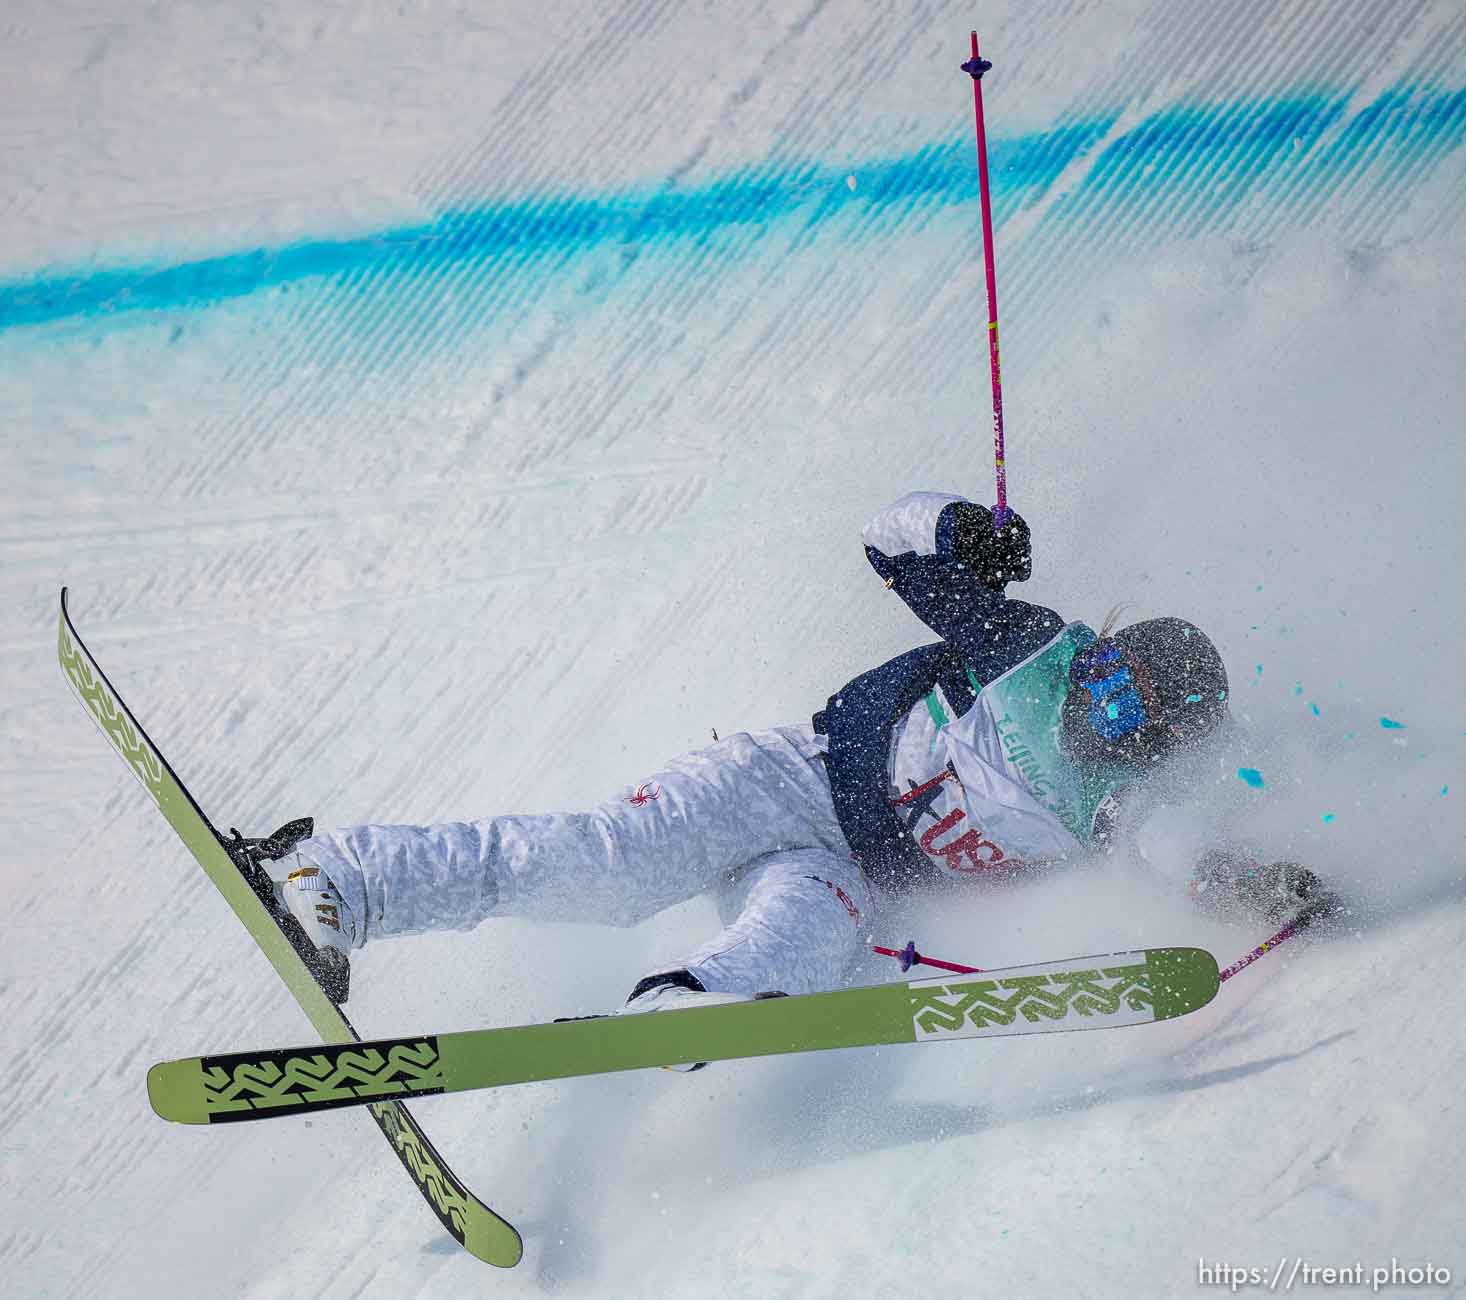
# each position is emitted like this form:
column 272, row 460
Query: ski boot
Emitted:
column 308, row 907
column 678, row 990
column 672, row 990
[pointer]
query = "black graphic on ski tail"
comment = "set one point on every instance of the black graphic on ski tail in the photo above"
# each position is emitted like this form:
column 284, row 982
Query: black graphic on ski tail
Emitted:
column 248, row 890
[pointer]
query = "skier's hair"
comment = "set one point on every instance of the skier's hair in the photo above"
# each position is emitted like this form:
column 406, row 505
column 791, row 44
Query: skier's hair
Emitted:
column 1113, row 617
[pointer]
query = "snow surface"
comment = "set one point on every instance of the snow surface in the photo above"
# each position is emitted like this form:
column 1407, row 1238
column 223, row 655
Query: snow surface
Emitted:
column 439, row 409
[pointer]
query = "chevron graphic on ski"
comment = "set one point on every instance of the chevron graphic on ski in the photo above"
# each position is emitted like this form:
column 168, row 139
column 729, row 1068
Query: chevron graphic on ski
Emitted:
column 476, row 1227
column 1127, row 988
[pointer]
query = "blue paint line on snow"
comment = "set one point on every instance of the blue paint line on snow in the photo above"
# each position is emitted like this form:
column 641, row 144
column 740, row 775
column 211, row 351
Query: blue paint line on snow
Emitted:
column 1198, row 163
column 560, row 223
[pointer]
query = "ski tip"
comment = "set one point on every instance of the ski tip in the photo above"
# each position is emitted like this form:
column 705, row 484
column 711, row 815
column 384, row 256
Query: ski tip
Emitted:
column 492, row 1239
column 176, row 1091
column 1182, row 980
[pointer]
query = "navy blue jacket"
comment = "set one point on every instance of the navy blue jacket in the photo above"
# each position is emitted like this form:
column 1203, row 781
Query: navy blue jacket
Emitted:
column 981, row 630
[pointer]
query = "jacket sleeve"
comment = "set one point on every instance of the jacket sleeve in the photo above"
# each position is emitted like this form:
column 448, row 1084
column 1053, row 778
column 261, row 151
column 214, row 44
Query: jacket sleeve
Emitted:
column 910, row 545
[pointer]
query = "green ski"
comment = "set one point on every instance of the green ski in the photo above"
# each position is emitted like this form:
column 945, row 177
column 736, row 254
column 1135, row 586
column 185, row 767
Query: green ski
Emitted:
column 482, row 1232
column 1127, row 988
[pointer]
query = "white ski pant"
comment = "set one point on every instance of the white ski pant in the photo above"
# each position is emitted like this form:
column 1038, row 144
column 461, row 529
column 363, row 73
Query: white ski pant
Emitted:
column 749, row 818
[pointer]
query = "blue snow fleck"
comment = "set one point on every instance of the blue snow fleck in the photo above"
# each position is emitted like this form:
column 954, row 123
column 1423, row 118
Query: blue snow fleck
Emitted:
column 1327, row 818
column 1313, row 708
column 1252, row 776
column 1389, row 724
column 1297, row 688
column 1444, row 789
column 1193, row 699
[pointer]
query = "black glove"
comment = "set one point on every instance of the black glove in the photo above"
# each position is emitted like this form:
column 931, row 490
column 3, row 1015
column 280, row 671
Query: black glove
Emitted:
column 997, row 558
column 1226, row 882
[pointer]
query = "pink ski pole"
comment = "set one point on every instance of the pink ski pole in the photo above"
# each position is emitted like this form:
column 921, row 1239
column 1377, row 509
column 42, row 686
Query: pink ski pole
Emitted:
column 975, row 67
column 909, row 957
column 1262, row 949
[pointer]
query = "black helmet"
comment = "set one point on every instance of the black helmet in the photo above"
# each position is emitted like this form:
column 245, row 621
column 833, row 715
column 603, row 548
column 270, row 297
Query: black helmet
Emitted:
column 1143, row 693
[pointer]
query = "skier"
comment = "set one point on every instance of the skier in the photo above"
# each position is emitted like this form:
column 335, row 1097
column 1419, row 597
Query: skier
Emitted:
column 1015, row 740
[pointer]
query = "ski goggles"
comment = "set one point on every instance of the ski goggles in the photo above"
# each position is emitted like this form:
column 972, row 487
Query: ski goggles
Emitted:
column 1121, row 698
